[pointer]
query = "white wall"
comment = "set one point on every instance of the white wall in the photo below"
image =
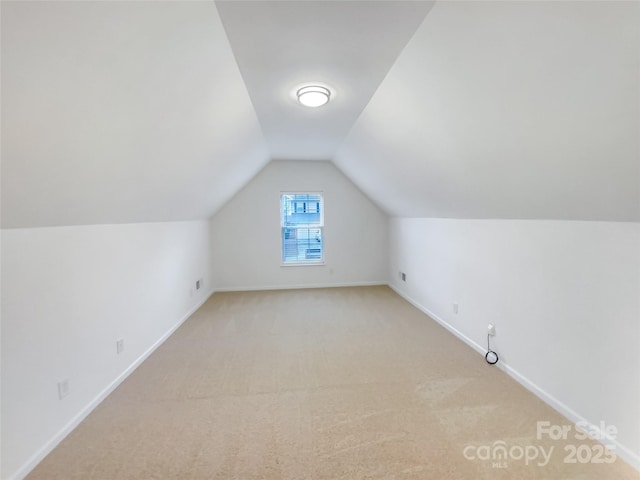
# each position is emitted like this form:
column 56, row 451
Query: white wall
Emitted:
column 564, row 296
column 507, row 109
column 68, row 293
column 246, row 250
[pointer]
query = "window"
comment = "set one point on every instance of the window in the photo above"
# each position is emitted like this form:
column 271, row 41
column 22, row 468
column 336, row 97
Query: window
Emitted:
column 302, row 222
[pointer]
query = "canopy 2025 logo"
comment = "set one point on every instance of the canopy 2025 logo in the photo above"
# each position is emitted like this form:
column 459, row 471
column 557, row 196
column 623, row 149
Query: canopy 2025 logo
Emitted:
column 500, row 454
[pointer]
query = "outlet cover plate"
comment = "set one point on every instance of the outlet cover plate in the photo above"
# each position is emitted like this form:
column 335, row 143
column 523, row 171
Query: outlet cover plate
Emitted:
column 63, row 389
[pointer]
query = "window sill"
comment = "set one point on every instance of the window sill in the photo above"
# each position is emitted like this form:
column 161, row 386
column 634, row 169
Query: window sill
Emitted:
column 303, row 264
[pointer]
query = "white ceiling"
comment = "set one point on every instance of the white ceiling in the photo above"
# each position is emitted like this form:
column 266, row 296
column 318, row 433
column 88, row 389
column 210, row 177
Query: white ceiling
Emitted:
column 116, row 112
column 526, row 110
column 346, row 45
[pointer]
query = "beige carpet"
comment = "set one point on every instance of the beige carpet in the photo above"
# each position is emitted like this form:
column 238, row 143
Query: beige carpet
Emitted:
column 348, row 383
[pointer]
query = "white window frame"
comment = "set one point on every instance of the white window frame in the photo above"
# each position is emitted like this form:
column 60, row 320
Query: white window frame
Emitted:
column 320, row 226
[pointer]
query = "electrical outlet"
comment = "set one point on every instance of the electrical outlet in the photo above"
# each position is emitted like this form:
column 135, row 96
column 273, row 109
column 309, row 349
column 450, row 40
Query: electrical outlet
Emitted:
column 455, row 308
column 120, row 346
column 492, row 330
column 403, row 276
column 197, row 284
column 63, row 389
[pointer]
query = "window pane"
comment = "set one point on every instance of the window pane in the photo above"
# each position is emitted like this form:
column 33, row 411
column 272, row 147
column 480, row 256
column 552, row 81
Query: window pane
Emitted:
column 302, row 245
column 302, row 209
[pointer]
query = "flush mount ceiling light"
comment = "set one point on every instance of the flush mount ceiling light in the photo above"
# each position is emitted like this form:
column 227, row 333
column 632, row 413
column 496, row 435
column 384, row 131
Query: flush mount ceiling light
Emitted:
column 313, row 96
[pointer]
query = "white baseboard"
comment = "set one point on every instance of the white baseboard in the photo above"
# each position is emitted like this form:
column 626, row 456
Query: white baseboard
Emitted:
column 75, row 421
column 295, row 287
column 621, row 451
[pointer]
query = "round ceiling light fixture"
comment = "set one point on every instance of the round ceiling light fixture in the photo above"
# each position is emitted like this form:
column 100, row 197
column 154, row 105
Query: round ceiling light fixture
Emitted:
column 313, row 95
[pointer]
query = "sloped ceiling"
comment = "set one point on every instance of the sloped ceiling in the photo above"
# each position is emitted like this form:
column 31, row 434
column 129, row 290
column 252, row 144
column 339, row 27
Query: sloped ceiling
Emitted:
column 116, row 112
column 508, row 110
column 348, row 46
